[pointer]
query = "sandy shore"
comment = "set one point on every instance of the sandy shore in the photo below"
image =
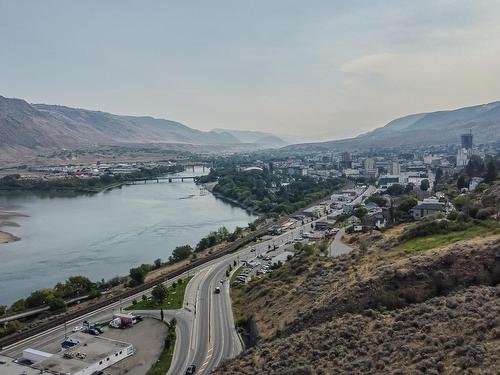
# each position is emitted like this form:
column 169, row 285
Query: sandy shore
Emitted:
column 7, row 237
column 6, row 221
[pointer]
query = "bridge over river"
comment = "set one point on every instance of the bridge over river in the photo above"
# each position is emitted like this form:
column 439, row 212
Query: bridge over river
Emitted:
column 163, row 179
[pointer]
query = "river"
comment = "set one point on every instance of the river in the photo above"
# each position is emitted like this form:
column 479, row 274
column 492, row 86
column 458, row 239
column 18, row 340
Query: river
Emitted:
column 104, row 235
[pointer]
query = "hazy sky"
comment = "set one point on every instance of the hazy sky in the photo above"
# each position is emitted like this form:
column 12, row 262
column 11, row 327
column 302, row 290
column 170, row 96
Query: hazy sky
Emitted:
column 309, row 68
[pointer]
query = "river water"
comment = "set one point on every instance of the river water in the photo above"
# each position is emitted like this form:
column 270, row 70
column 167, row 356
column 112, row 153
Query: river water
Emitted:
column 104, row 235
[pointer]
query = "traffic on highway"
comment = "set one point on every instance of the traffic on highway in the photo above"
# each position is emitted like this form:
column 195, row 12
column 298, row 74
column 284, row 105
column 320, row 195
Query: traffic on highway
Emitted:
column 205, row 329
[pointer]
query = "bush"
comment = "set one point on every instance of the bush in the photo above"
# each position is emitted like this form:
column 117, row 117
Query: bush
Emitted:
column 57, row 304
column 485, row 213
column 159, row 292
column 138, row 274
column 427, row 227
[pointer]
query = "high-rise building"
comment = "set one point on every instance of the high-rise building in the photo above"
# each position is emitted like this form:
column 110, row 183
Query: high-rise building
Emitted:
column 345, row 160
column 467, row 140
column 395, row 168
column 369, row 163
column 466, row 151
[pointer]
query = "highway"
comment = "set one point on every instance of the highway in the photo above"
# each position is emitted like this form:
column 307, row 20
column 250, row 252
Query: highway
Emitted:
column 205, row 330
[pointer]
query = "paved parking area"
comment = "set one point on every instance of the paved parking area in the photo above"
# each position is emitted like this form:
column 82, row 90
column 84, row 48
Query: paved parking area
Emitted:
column 148, row 338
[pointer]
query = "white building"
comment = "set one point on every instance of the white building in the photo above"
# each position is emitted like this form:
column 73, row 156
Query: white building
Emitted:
column 92, row 354
column 463, row 156
column 395, row 168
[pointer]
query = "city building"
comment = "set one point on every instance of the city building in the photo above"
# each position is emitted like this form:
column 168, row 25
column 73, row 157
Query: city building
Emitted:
column 467, row 140
column 395, row 168
column 385, row 182
column 369, row 164
column 428, row 206
column 8, row 366
column 89, row 356
column 345, row 160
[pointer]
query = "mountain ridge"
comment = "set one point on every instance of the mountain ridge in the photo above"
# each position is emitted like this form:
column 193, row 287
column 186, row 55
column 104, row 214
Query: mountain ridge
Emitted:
column 429, row 128
column 28, row 128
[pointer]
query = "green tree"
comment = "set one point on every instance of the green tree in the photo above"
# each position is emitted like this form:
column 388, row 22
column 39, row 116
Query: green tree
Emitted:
column 159, row 293
column 377, row 199
column 18, row 306
column 157, row 263
column 407, row 204
column 424, row 185
column 57, row 304
column 181, row 253
column 3, row 310
column 491, row 171
column 138, row 274
column 475, row 166
column 395, row 190
column 360, row 212
column 39, row 298
column 462, row 182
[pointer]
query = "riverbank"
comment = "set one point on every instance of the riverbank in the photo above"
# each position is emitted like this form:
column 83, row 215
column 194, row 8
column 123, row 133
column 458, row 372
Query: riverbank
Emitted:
column 6, row 237
column 6, row 220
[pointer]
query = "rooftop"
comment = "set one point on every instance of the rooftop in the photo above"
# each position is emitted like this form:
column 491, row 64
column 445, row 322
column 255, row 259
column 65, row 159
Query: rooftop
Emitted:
column 9, row 367
column 95, row 348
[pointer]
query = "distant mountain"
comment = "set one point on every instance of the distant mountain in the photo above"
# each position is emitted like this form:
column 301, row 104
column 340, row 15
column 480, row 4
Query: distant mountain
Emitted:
column 28, row 128
column 442, row 127
column 257, row 137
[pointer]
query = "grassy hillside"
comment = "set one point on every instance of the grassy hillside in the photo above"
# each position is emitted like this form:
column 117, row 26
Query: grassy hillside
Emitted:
column 391, row 306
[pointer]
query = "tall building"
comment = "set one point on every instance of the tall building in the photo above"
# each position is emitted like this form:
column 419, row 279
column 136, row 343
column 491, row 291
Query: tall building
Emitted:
column 369, row 163
column 345, row 160
column 467, row 140
column 465, row 152
column 395, row 168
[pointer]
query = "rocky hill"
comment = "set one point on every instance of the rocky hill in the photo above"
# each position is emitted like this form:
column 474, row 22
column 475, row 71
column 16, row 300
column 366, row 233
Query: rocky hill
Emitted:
column 26, row 127
column 442, row 127
column 376, row 310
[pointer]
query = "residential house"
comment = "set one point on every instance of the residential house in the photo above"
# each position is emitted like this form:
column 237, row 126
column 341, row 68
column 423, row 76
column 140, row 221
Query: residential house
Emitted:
column 428, row 206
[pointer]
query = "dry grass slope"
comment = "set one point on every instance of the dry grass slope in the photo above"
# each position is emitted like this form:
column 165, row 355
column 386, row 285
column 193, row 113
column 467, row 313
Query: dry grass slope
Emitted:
column 377, row 310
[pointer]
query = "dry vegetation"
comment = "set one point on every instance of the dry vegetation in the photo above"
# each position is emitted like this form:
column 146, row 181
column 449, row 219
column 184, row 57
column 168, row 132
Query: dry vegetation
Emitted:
column 456, row 334
column 376, row 310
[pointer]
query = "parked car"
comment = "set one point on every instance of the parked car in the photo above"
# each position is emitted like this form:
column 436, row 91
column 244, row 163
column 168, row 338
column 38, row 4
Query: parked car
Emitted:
column 77, row 329
column 115, row 323
column 191, row 370
column 217, row 290
column 93, row 332
column 139, row 318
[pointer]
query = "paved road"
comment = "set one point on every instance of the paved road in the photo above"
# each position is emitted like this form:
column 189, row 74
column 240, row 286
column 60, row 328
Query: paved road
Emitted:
column 205, row 326
column 337, row 247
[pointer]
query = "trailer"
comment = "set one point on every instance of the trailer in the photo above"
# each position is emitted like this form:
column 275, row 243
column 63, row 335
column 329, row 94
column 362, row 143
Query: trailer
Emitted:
column 126, row 320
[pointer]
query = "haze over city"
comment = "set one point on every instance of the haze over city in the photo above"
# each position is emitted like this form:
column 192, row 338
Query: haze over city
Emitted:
column 315, row 70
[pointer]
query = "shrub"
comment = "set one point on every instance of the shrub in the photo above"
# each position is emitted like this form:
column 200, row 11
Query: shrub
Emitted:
column 485, row 213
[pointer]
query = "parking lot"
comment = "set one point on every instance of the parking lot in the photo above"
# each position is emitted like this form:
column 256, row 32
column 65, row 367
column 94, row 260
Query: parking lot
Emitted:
column 148, row 338
column 263, row 261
